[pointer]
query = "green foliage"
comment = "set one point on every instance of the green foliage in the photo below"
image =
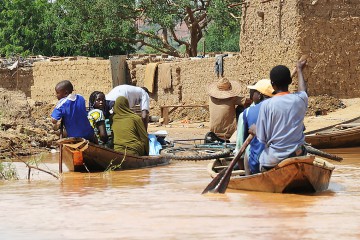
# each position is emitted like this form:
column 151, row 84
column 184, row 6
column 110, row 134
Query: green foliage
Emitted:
column 222, row 38
column 8, row 171
column 108, row 27
column 223, row 34
column 163, row 16
column 149, row 50
column 93, row 27
column 23, row 27
column 36, row 160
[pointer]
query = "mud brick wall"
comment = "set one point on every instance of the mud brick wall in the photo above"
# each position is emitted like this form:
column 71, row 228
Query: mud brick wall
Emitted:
column 330, row 32
column 190, row 79
column 280, row 31
column 87, row 75
column 13, row 80
column 273, row 32
column 268, row 37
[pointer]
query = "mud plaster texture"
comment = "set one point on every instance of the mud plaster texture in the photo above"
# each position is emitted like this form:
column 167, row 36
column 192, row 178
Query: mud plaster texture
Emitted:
column 17, row 79
column 87, row 75
column 190, row 79
column 280, row 31
column 25, row 125
column 330, row 32
column 272, row 33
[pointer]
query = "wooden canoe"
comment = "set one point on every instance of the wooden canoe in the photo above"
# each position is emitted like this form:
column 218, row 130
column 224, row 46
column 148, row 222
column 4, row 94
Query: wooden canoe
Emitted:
column 346, row 134
column 79, row 155
column 305, row 174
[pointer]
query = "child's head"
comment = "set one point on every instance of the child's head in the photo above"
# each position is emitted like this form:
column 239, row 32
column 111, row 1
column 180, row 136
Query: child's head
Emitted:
column 261, row 90
column 97, row 100
column 280, row 76
column 63, row 89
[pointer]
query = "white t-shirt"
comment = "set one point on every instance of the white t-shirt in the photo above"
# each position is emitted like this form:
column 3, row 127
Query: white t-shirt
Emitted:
column 135, row 96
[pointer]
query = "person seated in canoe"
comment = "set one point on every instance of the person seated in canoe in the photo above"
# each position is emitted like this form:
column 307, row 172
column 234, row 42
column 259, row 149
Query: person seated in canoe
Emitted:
column 71, row 111
column 224, row 98
column 259, row 92
column 280, row 123
column 99, row 117
column 130, row 135
column 135, row 95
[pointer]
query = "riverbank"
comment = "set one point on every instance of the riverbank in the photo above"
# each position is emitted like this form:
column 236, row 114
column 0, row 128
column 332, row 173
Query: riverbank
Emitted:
column 26, row 128
column 197, row 129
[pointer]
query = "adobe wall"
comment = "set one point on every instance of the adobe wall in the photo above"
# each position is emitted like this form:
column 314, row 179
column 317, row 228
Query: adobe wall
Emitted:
column 268, row 37
column 280, row 31
column 13, row 80
column 330, row 32
column 190, row 79
column 87, row 75
column 272, row 32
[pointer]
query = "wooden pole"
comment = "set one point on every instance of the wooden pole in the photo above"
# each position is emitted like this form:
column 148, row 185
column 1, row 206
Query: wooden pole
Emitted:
column 204, row 48
column 17, row 73
column 60, row 147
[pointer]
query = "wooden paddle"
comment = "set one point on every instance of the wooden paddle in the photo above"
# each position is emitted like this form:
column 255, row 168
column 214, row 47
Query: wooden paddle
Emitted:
column 221, row 181
column 320, row 153
column 60, row 147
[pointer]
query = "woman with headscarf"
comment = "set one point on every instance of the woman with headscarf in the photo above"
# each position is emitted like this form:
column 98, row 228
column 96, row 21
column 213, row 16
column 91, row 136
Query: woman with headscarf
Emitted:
column 129, row 130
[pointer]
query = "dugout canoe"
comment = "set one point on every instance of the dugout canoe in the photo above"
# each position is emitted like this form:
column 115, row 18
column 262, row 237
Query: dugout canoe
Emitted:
column 80, row 155
column 345, row 134
column 305, row 174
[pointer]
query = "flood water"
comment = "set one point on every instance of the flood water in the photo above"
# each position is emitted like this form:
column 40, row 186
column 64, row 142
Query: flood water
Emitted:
column 165, row 203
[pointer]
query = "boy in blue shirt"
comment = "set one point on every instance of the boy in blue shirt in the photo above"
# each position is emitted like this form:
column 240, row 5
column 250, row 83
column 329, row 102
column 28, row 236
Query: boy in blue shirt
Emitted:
column 71, row 109
column 259, row 92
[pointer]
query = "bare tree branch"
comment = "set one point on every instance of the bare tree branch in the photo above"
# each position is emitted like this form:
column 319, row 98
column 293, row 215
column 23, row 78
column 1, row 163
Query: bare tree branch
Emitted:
column 232, row 15
column 30, row 166
column 173, row 34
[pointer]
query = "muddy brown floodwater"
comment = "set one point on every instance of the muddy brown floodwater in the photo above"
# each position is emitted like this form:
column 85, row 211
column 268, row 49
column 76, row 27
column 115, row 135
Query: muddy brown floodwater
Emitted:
column 165, row 203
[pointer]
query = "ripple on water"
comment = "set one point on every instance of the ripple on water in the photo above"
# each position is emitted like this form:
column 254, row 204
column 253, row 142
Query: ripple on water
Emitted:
column 165, row 202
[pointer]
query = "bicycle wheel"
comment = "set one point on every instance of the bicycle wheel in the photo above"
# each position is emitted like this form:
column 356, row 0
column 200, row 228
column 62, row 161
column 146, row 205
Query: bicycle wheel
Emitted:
column 179, row 153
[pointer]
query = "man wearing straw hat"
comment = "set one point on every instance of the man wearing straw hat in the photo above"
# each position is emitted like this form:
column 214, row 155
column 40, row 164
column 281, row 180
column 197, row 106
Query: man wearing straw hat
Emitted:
column 224, row 97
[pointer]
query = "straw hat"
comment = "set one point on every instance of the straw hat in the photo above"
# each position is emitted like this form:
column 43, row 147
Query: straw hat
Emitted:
column 264, row 87
column 224, row 89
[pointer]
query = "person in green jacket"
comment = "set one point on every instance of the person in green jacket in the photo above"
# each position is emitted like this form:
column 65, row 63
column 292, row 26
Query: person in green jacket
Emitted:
column 129, row 131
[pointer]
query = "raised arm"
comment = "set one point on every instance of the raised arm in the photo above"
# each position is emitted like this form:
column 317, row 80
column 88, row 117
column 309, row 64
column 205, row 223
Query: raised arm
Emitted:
column 301, row 82
column 145, row 118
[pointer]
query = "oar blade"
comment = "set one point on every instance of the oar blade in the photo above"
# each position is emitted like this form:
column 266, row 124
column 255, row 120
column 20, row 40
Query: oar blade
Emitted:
column 215, row 182
column 221, row 181
column 221, row 188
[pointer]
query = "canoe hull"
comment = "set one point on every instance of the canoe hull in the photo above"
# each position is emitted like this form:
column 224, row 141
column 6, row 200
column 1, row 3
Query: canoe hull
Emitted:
column 295, row 175
column 336, row 139
column 96, row 158
column 332, row 137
